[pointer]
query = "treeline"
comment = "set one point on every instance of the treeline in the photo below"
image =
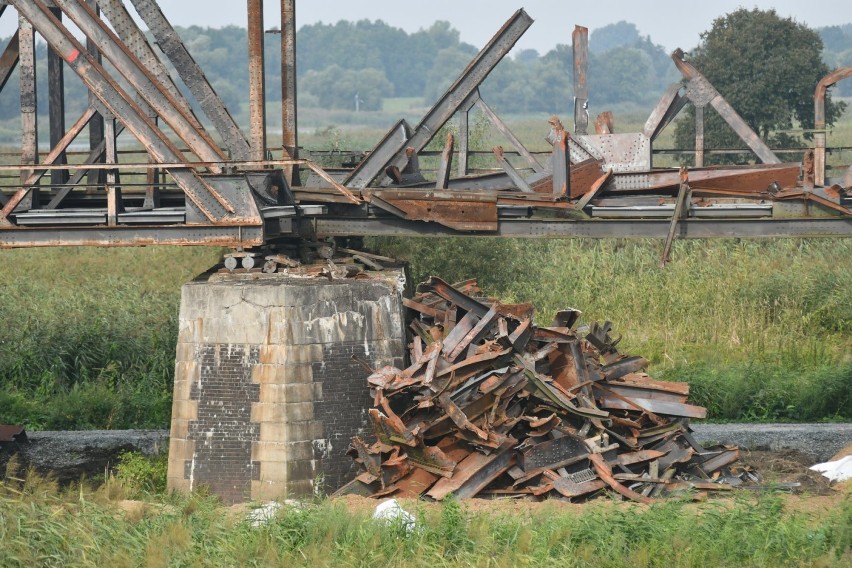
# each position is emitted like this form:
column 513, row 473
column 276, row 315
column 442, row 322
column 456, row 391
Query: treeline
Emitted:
column 351, row 64
column 375, row 61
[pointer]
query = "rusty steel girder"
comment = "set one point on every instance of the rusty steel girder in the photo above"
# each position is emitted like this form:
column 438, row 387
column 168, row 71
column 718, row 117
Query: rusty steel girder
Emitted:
column 819, row 123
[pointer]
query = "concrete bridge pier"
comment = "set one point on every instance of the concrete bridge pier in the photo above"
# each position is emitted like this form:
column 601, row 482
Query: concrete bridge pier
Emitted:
column 266, row 394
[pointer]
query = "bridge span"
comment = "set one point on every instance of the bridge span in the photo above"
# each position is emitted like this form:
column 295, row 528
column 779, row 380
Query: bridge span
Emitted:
column 169, row 165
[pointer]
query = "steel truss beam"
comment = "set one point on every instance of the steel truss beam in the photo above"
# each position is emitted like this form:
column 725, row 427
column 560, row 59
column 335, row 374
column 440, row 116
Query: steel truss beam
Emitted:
column 204, row 196
column 450, row 102
column 206, row 235
column 598, row 228
column 194, row 78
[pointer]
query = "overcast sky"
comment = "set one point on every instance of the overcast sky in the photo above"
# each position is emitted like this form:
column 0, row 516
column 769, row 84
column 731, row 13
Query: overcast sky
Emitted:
column 670, row 23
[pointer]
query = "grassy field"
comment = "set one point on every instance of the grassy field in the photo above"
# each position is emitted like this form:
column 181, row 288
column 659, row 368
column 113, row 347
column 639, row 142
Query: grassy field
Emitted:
column 81, row 527
column 761, row 329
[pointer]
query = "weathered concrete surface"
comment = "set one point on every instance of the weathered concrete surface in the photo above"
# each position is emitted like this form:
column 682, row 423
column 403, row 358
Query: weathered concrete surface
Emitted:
column 267, row 395
column 817, row 441
column 70, row 456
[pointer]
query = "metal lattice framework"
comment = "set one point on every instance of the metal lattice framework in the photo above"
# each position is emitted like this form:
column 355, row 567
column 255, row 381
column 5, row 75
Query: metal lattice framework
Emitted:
column 202, row 180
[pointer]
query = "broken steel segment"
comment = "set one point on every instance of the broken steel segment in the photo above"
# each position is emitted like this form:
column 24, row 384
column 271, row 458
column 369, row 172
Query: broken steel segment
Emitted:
column 701, row 92
column 580, row 44
column 819, row 117
column 448, row 104
column 193, row 77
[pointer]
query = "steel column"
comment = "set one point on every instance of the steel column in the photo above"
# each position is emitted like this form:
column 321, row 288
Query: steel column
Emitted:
column 699, row 136
column 97, row 145
column 257, row 76
column 289, row 123
column 29, row 107
column 580, row 48
column 113, row 191
column 56, row 106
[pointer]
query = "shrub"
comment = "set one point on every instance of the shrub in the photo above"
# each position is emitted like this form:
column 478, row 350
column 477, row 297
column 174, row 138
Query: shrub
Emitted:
column 140, row 474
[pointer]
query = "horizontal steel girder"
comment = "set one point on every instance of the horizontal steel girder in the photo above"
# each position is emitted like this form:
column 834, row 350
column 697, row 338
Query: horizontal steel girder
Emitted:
column 124, row 236
column 598, row 228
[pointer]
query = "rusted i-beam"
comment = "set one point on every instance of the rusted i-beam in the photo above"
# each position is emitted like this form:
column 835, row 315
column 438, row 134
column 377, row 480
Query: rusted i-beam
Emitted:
column 257, row 75
column 194, row 78
column 819, row 118
column 290, row 132
column 580, row 45
column 125, row 27
column 449, row 103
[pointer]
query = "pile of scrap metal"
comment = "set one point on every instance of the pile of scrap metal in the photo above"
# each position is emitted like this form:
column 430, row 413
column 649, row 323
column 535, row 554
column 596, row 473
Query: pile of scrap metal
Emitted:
column 307, row 259
column 494, row 405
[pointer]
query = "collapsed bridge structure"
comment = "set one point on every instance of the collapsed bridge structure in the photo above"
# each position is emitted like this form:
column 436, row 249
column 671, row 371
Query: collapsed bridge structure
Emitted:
column 203, row 181
column 267, row 390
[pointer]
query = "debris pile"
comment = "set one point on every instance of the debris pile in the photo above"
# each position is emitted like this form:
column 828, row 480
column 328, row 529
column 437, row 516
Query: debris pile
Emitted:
column 494, row 405
column 315, row 260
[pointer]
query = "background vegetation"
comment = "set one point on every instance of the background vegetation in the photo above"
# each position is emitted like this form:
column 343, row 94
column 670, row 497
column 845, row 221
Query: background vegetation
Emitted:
column 761, row 329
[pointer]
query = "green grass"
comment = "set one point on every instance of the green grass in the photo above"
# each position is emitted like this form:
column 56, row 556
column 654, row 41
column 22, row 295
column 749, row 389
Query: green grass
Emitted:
column 90, row 334
column 80, row 527
column 762, row 330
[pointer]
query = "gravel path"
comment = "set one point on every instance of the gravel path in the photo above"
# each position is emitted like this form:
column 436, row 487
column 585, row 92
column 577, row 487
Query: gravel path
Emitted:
column 817, row 441
column 70, row 454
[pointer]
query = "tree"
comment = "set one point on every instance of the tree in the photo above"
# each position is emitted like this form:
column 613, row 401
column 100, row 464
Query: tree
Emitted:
column 767, row 68
column 335, row 87
column 619, row 34
column 621, row 74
